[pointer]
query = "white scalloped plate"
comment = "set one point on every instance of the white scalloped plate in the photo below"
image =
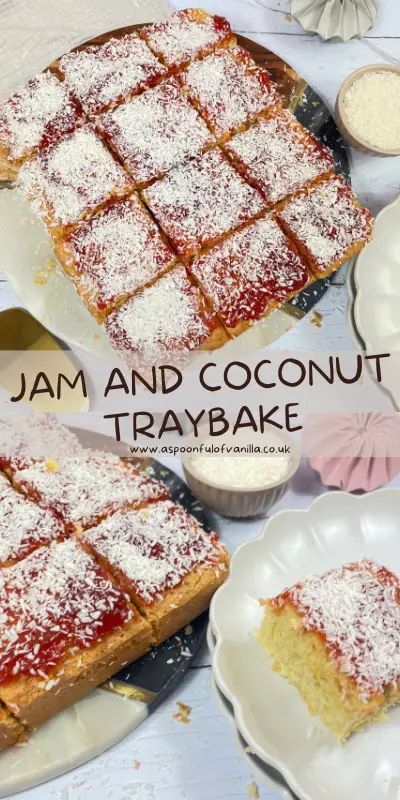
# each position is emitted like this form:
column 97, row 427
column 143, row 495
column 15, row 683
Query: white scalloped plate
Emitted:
column 336, row 529
column 376, row 308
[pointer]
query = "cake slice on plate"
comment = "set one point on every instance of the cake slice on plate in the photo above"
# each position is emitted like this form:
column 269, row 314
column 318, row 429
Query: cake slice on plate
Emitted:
column 336, row 638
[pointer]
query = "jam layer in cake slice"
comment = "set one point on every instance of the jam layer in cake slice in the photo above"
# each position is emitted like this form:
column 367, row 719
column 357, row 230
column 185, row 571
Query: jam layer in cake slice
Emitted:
column 336, row 638
column 114, row 254
column 23, row 525
column 64, row 629
column 199, row 202
column 102, row 75
column 250, row 273
column 155, row 132
column 11, row 731
column 72, row 179
column 165, row 561
column 279, row 156
column 187, row 34
column 327, row 224
column 83, row 490
column 25, row 438
column 168, row 317
column 229, row 90
column 35, row 116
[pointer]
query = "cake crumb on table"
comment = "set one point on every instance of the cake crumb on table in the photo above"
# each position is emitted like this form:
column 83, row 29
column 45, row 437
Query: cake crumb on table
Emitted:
column 253, row 791
column 183, row 713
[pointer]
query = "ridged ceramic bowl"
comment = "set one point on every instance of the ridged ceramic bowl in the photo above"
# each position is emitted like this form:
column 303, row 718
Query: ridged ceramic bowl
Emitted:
column 234, row 502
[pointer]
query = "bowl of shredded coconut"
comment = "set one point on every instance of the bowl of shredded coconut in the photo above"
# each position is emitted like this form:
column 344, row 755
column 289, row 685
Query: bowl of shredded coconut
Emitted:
column 368, row 109
column 240, row 480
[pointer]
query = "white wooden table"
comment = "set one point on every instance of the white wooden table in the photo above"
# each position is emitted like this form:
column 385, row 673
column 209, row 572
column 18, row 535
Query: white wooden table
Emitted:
column 164, row 759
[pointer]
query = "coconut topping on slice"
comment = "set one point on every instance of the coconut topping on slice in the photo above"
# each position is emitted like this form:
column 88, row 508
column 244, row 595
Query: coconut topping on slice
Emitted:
column 280, row 156
column 155, row 548
column 357, row 610
column 327, row 221
column 100, row 75
column 30, row 437
column 229, row 89
column 187, row 34
column 117, row 252
column 36, row 115
column 167, row 316
column 202, row 200
column 73, row 177
column 54, row 600
column 23, row 525
column 85, row 488
column 255, row 267
column 156, row 131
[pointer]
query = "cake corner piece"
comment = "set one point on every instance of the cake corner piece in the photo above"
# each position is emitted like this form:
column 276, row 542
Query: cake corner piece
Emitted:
column 336, row 639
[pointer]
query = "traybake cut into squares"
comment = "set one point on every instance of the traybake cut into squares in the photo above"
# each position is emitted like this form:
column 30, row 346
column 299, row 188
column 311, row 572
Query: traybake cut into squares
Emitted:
column 187, row 34
column 169, row 316
column 101, row 75
column 229, row 89
column 72, row 179
column 336, row 638
column 33, row 117
column 23, row 525
column 64, row 629
column 155, row 131
column 165, row 561
column 114, row 254
column 83, row 490
column 250, row 273
column 279, row 156
column 200, row 201
column 327, row 224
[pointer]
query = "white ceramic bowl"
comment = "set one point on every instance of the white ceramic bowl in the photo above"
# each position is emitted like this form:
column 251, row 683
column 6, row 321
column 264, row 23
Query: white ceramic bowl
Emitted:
column 342, row 121
column 337, row 528
column 234, row 502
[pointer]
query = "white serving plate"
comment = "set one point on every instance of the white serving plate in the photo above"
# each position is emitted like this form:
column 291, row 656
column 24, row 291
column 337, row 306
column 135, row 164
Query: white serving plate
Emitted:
column 376, row 308
column 336, row 529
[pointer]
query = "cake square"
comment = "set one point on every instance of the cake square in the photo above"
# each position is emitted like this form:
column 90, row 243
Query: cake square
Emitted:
column 83, row 490
column 64, row 629
column 250, row 273
column 327, row 224
column 72, row 179
column 187, row 34
column 36, row 115
column 114, row 254
column 25, row 438
column 102, row 75
column 164, row 560
column 200, row 201
column 336, row 638
column 166, row 318
column 229, row 90
column 155, row 132
column 279, row 156
column 23, row 525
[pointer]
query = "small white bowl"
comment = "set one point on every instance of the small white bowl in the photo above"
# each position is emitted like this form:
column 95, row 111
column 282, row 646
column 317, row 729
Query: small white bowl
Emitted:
column 234, row 502
column 344, row 123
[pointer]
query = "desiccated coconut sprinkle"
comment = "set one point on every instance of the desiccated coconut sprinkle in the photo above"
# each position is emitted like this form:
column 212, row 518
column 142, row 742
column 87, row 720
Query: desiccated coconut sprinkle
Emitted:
column 162, row 318
column 357, row 610
column 100, row 75
column 156, row 131
column 87, row 487
column 155, row 547
column 186, row 34
column 23, row 525
column 28, row 437
column 36, row 115
column 73, row 177
column 55, row 599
